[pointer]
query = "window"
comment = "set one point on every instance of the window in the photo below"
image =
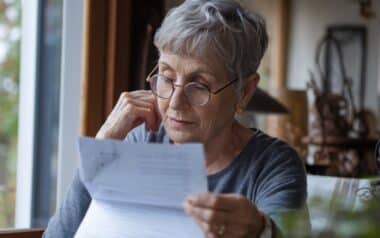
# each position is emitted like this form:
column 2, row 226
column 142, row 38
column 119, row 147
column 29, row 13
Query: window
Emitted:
column 42, row 118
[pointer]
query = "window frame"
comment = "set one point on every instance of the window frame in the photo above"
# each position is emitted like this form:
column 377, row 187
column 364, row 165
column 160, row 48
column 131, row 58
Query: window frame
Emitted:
column 70, row 94
column 69, row 122
column 27, row 110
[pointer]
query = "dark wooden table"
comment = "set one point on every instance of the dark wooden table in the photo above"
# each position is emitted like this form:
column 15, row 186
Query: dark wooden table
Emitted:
column 21, row 233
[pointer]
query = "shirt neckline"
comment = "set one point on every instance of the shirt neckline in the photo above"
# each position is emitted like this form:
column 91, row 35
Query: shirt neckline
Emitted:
column 239, row 157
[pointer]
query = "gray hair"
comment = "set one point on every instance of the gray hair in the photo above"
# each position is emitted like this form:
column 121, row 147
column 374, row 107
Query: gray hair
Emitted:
column 236, row 37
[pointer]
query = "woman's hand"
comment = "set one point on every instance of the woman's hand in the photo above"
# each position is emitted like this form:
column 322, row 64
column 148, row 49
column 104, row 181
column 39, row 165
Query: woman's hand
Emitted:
column 225, row 215
column 132, row 109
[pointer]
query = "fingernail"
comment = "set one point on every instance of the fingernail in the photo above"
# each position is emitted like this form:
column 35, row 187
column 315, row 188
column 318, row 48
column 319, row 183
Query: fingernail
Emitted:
column 191, row 198
column 190, row 201
column 185, row 206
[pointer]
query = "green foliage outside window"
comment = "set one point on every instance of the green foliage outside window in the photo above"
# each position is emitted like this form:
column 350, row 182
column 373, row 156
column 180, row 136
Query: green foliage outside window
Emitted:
column 343, row 220
column 10, row 32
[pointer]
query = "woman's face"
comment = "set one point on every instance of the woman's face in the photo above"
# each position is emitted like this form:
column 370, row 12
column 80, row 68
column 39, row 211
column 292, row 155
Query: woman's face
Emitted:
column 187, row 123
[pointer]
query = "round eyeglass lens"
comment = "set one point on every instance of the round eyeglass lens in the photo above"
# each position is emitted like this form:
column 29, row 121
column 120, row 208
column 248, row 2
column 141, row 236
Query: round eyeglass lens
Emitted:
column 161, row 86
column 197, row 94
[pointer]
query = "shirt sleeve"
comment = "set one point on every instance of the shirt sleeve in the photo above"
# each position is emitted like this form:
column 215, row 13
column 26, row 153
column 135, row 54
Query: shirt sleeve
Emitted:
column 71, row 212
column 138, row 134
column 68, row 217
column 283, row 189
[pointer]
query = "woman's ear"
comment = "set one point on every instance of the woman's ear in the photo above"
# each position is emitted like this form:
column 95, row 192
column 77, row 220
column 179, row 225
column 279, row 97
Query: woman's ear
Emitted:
column 248, row 89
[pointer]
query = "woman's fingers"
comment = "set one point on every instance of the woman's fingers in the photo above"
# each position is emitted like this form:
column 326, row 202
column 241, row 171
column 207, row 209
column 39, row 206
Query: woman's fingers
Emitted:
column 212, row 222
column 139, row 114
column 135, row 97
column 226, row 202
column 208, row 230
column 209, row 220
column 149, row 112
column 207, row 215
column 132, row 109
column 229, row 214
column 139, row 95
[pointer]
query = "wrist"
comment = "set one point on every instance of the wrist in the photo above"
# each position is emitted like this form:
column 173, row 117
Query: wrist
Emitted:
column 262, row 222
column 106, row 132
column 266, row 228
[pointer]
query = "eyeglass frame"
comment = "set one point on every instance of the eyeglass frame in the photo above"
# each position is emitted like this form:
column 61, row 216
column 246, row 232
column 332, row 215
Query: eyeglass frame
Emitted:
column 150, row 75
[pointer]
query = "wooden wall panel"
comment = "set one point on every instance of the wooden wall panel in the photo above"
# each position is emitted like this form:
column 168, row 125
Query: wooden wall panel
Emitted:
column 281, row 44
column 118, row 51
column 94, row 59
column 106, row 60
column 118, row 58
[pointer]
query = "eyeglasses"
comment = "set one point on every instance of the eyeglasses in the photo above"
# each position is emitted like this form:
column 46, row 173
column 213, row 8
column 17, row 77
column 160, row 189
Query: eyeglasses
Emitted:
column 198, row 94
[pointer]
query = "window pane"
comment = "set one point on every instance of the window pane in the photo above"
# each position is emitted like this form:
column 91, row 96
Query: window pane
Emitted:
column 47, row 109
column 9, row 80
column 47, row 116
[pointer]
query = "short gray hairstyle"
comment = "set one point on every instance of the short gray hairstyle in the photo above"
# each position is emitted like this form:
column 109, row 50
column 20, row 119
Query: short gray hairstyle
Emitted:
column 235, row 36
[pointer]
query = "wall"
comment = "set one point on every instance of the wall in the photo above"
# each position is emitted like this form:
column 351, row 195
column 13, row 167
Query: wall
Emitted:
column 309, row 20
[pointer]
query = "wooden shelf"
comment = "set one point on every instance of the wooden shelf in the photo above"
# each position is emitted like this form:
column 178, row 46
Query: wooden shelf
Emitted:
column 341, row 141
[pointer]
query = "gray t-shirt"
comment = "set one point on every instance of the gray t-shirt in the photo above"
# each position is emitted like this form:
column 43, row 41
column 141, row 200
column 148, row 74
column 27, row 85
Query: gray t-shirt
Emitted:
column 267, row 171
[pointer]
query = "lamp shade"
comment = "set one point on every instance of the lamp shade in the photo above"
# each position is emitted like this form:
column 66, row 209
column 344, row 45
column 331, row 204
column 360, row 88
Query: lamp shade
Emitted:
column 263, row 102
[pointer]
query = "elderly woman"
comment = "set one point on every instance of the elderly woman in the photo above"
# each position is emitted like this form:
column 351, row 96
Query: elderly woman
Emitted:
column 206, row 74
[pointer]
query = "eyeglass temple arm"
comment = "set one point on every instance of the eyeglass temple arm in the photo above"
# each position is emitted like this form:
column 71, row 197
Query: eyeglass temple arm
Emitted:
column 151, row 72
column 225, row 86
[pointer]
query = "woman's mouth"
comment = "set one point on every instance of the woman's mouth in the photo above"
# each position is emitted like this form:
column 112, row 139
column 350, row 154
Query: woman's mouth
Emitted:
column 178, row 123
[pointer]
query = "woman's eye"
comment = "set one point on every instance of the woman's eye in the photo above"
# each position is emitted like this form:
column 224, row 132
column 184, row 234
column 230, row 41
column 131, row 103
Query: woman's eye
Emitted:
column 204, row 84
column 200, row 80
column 200, row 87
column 168, row 78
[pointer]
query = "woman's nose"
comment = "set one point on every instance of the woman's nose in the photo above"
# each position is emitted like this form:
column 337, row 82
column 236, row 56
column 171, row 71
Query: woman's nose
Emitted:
column 178, row 100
